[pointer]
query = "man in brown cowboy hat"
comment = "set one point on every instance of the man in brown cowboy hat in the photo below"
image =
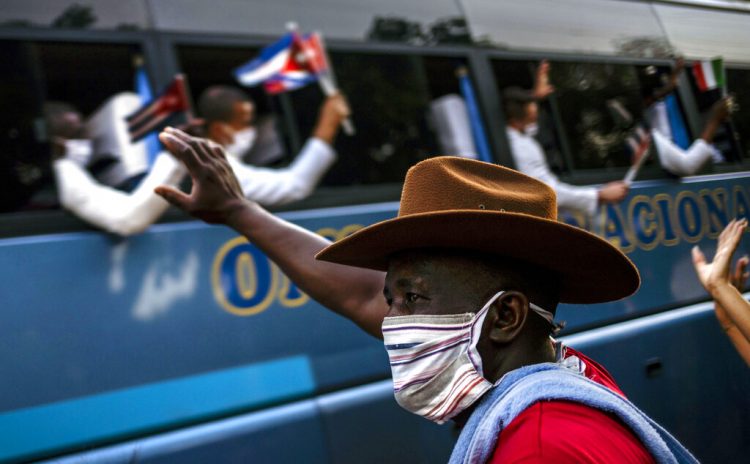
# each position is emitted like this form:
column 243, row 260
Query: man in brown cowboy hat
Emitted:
column 475, row 264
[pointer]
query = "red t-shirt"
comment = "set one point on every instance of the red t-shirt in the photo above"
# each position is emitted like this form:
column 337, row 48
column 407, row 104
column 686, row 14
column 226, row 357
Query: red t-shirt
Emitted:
column 564, row 432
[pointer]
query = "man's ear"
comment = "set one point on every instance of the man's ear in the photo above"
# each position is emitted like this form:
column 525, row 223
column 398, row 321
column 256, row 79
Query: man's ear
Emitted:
column 506, row 317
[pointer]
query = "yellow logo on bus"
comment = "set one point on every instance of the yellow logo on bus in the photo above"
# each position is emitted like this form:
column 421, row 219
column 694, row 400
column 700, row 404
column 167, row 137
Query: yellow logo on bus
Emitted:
column 245, row 282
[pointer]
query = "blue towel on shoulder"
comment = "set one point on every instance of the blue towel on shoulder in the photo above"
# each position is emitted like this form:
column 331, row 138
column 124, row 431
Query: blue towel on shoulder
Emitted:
column 520, row 388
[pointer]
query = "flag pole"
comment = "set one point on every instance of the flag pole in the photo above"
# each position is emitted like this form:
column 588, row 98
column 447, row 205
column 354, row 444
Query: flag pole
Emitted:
column 327, row 81
column 185, row 88
column 475, row 118
column 327, row 78
column 723, row 71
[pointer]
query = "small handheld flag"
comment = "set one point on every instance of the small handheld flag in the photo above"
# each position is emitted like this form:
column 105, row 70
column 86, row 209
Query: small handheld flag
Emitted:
column 291, row 63
column 171, row 107
column 638, row 143
column 709, row 75
column 475, row 118
column 305, row 63
column 143, row 88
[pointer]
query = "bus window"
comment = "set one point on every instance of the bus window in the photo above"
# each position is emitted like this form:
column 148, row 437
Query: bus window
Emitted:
column 83, row 75
column 582, row 92
column 724, row 140
column 738, row 81
column 390, row 96
column 509, row 73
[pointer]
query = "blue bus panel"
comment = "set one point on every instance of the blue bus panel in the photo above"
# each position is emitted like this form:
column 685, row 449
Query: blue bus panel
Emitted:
column 105, row 340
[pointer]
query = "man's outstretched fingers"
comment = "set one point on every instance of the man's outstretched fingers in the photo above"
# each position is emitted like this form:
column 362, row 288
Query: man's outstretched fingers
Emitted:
column 198, row 144
column 173, row 196
column 181, row 150
column 699, row 259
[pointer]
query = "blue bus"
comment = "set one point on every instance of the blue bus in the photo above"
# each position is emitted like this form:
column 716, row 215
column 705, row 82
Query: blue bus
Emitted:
column 186, row 344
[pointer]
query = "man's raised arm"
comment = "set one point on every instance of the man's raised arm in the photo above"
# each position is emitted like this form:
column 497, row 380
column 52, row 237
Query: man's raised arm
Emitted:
column 217, row 198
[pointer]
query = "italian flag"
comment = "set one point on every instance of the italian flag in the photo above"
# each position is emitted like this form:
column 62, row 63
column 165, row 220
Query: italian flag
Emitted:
column 709, row 74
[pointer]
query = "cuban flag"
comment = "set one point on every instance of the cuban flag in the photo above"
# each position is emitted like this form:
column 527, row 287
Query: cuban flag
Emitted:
column 709, row 74
column 169, row 108
column 272, row 60
column 292, row 62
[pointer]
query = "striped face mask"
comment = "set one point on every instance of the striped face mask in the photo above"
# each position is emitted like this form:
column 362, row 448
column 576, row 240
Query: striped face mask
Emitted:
column 437, row 370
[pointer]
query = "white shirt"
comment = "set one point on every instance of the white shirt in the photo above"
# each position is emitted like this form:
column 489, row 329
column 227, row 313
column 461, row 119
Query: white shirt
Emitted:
column 269, row 186
column 683, row 162
column 529, row 159
column 110, row 209
column 125, row 213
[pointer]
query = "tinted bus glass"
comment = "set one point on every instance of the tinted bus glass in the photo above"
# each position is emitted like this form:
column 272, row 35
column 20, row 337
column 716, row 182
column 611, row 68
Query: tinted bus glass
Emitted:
column 521, row 73
column 575, row 127
column 583, row 90
column 390, row 97
column 738, row 82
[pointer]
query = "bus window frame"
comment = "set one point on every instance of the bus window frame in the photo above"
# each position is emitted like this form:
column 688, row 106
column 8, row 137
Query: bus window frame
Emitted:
column 598, row 176
column 25, row 223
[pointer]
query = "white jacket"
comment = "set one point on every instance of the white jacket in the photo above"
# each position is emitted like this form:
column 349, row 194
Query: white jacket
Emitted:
column 125, row 213
column 678, row 161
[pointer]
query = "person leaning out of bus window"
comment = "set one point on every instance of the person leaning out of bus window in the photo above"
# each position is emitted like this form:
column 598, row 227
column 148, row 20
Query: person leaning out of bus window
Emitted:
column 678, row 161
column 521, row 112
column 121, row 200
column 732, row 310
column 229, row 121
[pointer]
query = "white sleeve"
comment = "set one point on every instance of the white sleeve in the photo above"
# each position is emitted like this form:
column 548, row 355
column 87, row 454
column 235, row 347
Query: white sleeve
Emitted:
column 530, row 160
column 113, row 210
column 278, row 186
column 678, row 161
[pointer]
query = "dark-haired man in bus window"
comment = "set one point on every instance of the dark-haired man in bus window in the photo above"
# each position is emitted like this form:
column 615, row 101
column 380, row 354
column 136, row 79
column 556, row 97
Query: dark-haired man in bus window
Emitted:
column 229, row 112
column 521, row 112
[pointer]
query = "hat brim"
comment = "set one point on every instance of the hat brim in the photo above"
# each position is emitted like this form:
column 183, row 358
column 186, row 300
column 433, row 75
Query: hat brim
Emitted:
column 591, row 269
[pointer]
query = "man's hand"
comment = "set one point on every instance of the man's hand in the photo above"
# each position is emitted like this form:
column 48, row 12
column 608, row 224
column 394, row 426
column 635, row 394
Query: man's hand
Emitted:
column 194, row 126
column 216, row 195
column 738, row 280
column 332, row 113
column 716, row 274
column 642, row 149
column 721, row 110
column 613, row 192
column 542, row 87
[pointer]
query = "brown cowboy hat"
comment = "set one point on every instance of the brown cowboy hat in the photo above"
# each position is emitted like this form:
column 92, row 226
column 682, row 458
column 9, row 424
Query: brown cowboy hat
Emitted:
column 450, row 202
